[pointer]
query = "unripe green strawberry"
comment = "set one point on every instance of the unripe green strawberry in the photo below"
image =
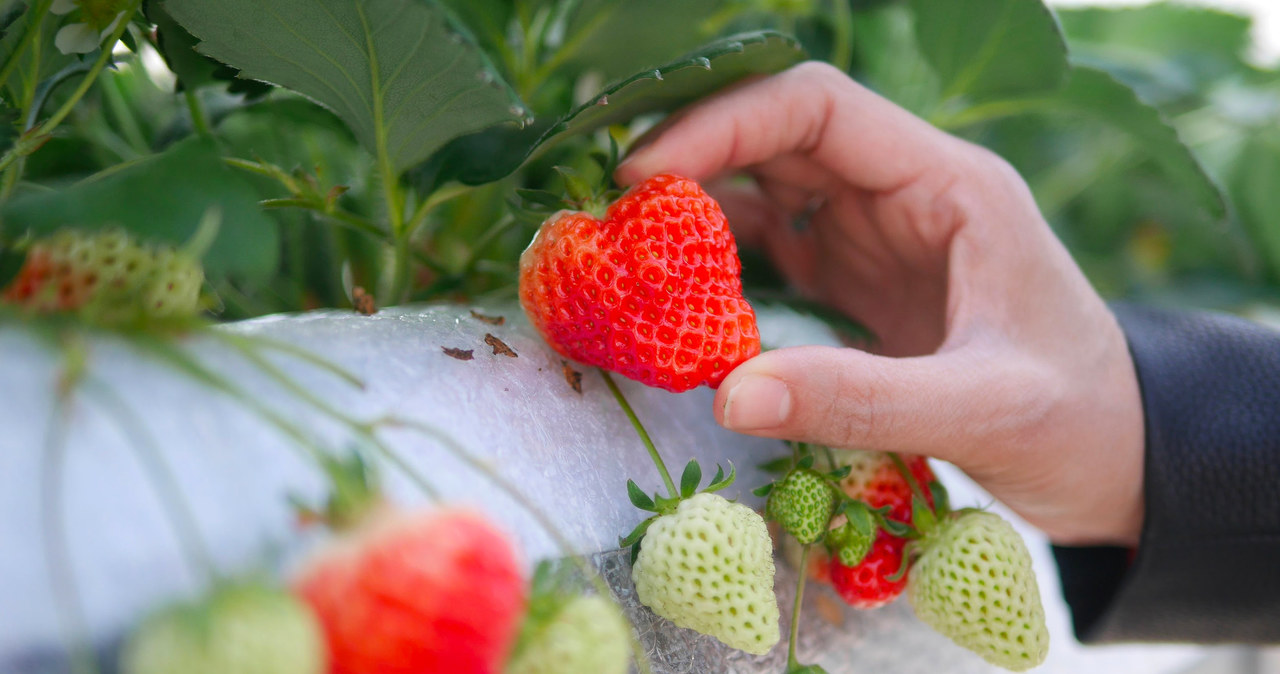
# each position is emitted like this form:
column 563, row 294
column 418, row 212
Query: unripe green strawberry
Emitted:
column 973, row 583
column 243, row 629
column 588, row 635
column 803, row 503
column 709, row 567
column 106, row 279
column 849, row 544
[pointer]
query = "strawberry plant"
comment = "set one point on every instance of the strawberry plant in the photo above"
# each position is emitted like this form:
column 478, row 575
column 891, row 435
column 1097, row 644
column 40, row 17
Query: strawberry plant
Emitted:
column 171, row 167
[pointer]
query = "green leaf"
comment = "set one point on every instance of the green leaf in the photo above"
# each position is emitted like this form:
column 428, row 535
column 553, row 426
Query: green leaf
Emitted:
column 495, row 153
column 690, row 479
column 763, row 490
column 51, row 60
column 1253, row 183
column 638, row 498
column 805, row 462
column 193, row 69
column 1162, row 48
column 163, row 198
column 617, row 38
column 985, row 49
column 1097, row 94
column 401, row 73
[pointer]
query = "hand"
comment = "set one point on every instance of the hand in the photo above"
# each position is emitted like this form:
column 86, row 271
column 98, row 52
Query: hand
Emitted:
column 994, row 351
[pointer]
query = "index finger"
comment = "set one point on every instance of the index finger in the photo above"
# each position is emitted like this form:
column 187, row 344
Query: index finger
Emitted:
column 811, row 109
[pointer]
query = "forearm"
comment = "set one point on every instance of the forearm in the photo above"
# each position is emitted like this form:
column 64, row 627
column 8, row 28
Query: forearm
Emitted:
column 1207, row 568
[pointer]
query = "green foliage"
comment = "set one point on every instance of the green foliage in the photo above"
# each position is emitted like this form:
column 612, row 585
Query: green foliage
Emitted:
column 398, row 72
column 393, row 134
column 163, row 199
column 987, row 49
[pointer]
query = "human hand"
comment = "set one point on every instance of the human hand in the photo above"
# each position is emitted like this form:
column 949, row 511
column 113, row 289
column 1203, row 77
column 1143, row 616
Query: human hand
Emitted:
column 994, row 351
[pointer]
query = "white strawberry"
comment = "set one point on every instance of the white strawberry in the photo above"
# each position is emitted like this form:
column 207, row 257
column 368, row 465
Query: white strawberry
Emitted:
column 586, row 635
column 240, row 629
column 709, row 567
column 973, row 583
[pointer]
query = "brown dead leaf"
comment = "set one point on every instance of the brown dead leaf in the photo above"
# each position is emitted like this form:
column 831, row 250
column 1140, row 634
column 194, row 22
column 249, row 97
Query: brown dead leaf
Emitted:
column 572, row 376
column 363, row 301
column 500, row 347
column 491, row 320
column 460, row 354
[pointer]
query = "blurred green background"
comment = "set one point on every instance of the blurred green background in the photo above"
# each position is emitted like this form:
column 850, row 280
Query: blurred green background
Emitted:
column 1150, row 135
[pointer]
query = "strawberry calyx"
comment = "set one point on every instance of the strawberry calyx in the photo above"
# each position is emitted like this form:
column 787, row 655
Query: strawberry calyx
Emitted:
column 661, row 505
column 354, row 495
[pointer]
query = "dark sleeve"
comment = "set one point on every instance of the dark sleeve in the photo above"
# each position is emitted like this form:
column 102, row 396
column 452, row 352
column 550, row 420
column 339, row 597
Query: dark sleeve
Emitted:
column 1207, row 568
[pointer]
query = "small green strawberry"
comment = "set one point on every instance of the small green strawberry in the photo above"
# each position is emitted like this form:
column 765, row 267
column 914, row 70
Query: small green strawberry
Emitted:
column 851, row 539
column 803, row 503
column 241, row 629
column 584, row 635
column 708, row 566
column 973, row 583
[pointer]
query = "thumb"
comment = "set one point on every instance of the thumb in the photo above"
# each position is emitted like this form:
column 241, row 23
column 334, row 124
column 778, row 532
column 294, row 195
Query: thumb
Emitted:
column 847, row 398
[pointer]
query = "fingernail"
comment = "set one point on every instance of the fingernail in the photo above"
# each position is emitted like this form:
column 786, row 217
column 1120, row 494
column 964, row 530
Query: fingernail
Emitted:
column 757, row 402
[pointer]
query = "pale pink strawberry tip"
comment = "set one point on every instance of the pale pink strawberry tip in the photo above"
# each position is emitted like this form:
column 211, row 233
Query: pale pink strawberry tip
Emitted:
column 652, row 292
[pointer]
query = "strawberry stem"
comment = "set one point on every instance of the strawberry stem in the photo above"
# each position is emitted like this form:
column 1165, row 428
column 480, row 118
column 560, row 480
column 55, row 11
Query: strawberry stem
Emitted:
column 792, row 664
column 644, row 435
column 908, row 476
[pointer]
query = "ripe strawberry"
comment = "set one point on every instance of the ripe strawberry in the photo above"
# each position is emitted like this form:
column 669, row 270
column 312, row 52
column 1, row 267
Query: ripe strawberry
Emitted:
column 973, row 583
column 867, row 585
column 651, row 291
column 709, row 567
column 585, row 635
column 242, row 629
column 434, row 592
column 106, row 278
column 875, row 479
column 803, row 503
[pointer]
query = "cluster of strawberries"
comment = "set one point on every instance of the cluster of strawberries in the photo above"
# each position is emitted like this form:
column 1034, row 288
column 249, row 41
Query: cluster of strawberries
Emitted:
column 434, row 591
column 107, row 279
column 650, row 288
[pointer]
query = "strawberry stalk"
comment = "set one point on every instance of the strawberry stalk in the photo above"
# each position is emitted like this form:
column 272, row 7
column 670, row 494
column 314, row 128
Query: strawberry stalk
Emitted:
column 906, row 475
column 644, row 435
column 792, row 663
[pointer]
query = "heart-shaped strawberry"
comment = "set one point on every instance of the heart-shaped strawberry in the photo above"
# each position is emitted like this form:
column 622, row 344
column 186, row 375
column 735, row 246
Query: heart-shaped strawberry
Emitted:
column 652, row 291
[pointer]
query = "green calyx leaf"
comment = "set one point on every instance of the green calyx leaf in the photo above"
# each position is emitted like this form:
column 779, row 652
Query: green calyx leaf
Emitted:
column 690, row 479
column 922, row 516
column 721, row 480
column 805, row 462
column 640, row 499
column 776, row 466
column 353, row 492
column 637, row 534
column 840, row 473
column 763, row 490
column 941, row 499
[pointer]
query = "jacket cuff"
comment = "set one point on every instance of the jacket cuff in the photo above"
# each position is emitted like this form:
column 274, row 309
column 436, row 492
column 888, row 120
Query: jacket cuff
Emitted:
column 1208, row 565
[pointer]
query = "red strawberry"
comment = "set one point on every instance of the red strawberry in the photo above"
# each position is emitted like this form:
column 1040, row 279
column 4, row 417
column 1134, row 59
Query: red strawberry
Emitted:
column 874, row 478
column 439, row 592
column 651, row 291
column 867, row 585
